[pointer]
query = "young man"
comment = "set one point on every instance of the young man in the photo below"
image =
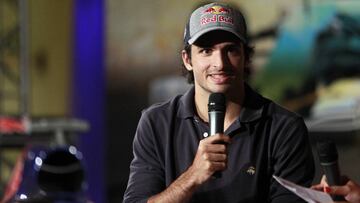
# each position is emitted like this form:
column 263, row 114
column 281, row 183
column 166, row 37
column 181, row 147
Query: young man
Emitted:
column 175, row 159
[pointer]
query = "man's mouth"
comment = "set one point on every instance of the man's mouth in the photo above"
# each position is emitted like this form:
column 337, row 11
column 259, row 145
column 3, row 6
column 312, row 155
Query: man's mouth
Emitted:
column 220, row 78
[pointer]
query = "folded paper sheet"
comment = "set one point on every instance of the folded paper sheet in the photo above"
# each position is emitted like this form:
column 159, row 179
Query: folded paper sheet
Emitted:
column 309, row 195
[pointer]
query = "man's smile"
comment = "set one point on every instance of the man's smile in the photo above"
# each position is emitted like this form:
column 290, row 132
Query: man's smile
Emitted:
column 221, row 77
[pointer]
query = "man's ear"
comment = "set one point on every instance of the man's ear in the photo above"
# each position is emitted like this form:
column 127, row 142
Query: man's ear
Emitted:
column 186, row 60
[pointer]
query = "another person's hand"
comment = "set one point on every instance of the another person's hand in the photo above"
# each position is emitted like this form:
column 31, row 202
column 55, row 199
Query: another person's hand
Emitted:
column 350, row 191
column 322, row 185
column 210, row 157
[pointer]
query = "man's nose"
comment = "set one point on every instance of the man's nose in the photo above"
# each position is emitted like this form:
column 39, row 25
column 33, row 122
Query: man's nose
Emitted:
column 220, row 60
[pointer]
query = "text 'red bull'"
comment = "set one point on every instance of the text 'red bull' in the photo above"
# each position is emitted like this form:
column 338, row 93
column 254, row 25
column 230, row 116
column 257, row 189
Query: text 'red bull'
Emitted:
column 216, row 18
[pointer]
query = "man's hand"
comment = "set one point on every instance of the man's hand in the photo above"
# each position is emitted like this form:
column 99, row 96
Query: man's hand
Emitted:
column 210, row 157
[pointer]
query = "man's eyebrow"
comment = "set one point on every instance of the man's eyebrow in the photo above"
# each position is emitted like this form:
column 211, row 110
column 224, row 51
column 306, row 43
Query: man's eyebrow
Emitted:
column 235, row 45
column 205, row 46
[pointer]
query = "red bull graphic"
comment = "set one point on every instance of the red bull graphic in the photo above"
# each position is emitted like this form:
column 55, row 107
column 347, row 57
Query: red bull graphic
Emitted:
column 219, row 14
column 217, row 10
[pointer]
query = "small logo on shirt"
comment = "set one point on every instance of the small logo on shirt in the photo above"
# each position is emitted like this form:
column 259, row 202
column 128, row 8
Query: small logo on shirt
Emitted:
column 251, row 170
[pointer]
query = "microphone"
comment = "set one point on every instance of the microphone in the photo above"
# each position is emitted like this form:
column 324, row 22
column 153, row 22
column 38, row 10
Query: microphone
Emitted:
column 216, row 110
column 328, row 157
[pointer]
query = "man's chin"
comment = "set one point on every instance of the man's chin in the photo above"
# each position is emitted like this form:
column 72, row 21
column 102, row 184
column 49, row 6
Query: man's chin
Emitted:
column 220, row 89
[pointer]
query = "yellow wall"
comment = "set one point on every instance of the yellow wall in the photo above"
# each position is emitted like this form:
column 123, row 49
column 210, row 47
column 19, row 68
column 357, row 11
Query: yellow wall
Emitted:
column 50, row 56
column 10, row 58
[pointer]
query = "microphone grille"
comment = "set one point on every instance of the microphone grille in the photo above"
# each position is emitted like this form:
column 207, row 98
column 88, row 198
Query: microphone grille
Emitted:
column 327, row 151
column 216, row 102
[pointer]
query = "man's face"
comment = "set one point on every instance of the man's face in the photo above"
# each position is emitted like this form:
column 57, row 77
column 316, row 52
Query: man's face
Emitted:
column 217, row 61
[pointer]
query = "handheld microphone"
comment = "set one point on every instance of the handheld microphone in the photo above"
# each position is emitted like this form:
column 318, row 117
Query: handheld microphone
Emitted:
column 216, row 110
column 328, row 157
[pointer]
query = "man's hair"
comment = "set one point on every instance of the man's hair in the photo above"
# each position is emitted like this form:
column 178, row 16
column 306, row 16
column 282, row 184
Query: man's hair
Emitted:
column 248, row 53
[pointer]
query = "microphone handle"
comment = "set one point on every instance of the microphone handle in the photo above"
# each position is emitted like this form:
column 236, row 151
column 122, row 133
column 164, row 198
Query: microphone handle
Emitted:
column 216, row 121
column 332, row 173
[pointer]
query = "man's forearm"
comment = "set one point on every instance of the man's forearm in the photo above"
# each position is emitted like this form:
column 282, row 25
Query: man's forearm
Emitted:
column 181, row 190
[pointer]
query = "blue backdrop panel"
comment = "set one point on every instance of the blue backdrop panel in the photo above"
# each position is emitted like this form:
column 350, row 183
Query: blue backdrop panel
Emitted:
column 88, row 89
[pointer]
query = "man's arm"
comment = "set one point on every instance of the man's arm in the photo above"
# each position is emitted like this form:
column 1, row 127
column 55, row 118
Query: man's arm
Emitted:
column 146, row 171
column 210, row 157
column 292, row 160
column 147, row 174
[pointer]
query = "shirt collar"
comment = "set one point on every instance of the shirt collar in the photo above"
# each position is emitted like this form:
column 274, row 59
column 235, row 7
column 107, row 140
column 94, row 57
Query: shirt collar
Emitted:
column 187, row 104
column 252, row 109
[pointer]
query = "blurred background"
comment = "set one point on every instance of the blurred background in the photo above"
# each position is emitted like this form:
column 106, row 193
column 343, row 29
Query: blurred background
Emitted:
column 75, row 74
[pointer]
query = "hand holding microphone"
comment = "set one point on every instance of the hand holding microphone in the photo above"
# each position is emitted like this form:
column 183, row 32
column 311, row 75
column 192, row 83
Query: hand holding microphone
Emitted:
column 211, row 156
column 216, row 109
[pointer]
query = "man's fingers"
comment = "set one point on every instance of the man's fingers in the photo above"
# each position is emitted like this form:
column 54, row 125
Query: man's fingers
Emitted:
column 214, row 148
column 213, row 157
column 218, row 166
column 218, row 138
column 215, row 166
column 223, row 138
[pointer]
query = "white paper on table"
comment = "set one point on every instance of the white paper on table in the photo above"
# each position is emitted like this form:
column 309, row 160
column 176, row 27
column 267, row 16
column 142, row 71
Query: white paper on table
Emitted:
column 309, row 195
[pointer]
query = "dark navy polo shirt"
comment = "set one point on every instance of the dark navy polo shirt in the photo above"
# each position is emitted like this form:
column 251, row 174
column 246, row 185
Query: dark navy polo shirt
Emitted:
column 266, row 140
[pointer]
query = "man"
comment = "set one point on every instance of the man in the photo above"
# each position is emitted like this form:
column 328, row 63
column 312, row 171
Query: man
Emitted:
column 175, row 158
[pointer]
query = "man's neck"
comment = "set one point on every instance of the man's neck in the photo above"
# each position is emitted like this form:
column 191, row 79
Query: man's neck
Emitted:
column 233, row 106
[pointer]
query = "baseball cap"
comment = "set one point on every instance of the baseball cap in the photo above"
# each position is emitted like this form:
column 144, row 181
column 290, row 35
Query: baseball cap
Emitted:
column 215, row 16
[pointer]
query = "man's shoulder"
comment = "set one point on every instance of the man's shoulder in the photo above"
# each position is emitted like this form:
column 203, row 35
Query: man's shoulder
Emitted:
column 285, row 120
column 178, row 106
column 164, row 108
column 269, row 107
column 279, row 111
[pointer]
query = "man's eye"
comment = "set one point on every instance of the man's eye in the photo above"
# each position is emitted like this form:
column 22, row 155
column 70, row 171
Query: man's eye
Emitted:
column 205, row 51
column 234, row 49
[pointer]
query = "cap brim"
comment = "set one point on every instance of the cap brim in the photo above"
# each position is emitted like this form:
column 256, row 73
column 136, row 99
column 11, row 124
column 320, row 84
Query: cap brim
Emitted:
column 202, row 32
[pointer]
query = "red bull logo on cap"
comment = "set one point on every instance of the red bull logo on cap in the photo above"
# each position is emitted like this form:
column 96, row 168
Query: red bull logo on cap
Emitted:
column 220, row 14
column 217, row 10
